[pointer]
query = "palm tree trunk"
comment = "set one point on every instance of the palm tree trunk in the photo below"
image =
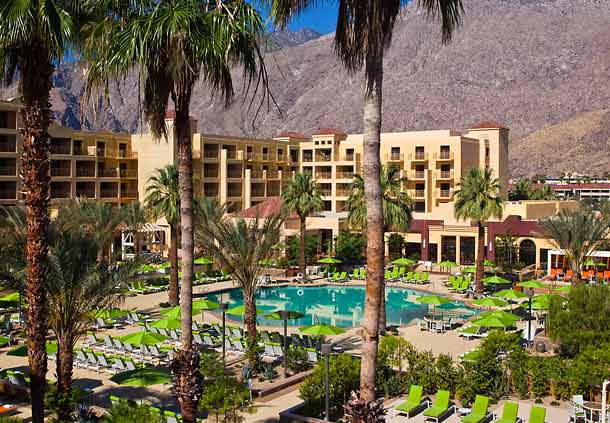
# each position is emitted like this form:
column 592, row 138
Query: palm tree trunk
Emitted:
column 375, row 245
column 36, row 72
column 173, row 265
column 188, row 384
column 65, row 357
column 250, row 321
column 302, row 246
column 478, row 279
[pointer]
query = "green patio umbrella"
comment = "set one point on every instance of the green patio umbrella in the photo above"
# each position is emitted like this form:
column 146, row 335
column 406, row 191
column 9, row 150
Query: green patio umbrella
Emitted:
column 495, row 280
column 22, row 350
column 143, row 337
column 432, row 300
column 510, row 294
column 490, row 302
column 143, row 377
column 172, row 313
column 3, row 340
column 203, row 260
column 591, row 262
column 563, row 289
column 543, row 301
column 470, row 269
column 111, row 313
column 10, row 298
column 204, row 304
column 493, row 322
column 532, row 284
column 329, row 260
column 166, row 323
column 504, row 315
column 241, row 310
column 320, row 329
column 403, row 261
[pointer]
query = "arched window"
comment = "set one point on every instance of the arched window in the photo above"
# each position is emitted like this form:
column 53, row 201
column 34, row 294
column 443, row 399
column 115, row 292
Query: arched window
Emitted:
column 527, row 252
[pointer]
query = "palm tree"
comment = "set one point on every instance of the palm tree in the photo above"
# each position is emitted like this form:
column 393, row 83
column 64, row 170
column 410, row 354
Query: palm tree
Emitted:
column 364, row 31
column 239, row 246
column 77, row 286
column 522, row 190
column 33, row 37
column 396, row 206
column 163, row 201
column 134, row 217
column 99, row 220
column 208, row 211
column 302, row 195
column 544, row 192
column 478, row 199
column 174, row 43
column 577, row 234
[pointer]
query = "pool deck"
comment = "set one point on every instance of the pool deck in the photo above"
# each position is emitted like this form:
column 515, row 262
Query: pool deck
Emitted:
column 265, row 410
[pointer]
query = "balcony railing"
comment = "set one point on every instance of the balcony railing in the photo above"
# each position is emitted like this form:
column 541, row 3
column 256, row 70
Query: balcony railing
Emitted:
column 60, row 171
column 443, row 155
column 85, row 172
column 345, row 175
column 129, row 193
column 210, row 154
column 7, row 145
column 210, row 173
column 292, row 224
column 321, row 157
column 420, row 193
column 418, row 156
column 273, row 174
column 88, row 193
column 128, row 173
column 444, row 174
column 60, row 194
column 343, row 193
column 326, row 192
column 444, row 193
column 232, row 154
column 307, row 158
column 256, row 174
column 395, row 157
column 60, row 149
column 8, row 194
column 258, row 193
column 419, row 174
column 107, row 173
column 234, row 194
column 109, row 193
column 8, row 171
column 324, row 175
column 273, row 192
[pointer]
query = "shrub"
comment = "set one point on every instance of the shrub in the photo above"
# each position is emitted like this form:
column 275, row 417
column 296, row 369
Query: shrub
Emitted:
column 296, row 360
column 396, row 243
column 447, row 375
column 127, row 412
column 344, row 377
column 349, row 247
column 312, row 244
column 210, row 364
column 225, row 397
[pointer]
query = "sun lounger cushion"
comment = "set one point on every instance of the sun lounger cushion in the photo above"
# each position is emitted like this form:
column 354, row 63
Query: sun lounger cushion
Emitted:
column 413, row 400
column 479, row 410
column 537, row 414
column 440, row 406
column 509, row 413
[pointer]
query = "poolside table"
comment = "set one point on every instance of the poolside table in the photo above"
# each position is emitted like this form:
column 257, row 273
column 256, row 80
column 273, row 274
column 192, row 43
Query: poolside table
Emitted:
column 592, row 411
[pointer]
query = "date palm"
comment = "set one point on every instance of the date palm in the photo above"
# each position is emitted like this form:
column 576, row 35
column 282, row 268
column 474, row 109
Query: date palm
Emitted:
column 208, row 211
column 33, row 37
column 577, row 234
column 239, row 246
column 163, row 201
column 303, row 196
column 77, row 286
column 478, row 199
column 396, row 206
column 134, row 217
column 173, row 44
column 363, row 33
column 100, row 221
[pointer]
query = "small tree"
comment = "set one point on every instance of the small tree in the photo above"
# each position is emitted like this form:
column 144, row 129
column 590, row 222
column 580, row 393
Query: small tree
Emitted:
column 396, row 244
column 303, row 196
column 349, row 247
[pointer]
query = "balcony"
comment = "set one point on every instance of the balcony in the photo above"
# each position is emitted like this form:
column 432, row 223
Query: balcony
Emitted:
column 323, row 157
column 235, row 155
column 273, row 174
column 444, row 194
column 85, row 172
column 292, row 224
column 108, row 193
column 210, row 154
column 8, row 171
column 87, row 193
column 324, row 175
column 394, row 157
column 419, row 193
column 107, row 173
column 128, row 173
column 8, row 190
column 60, row 171
column 343, row 193
column 418, row 156
column 345, row 175
column 256, row 174
column 444, row 174
column 60, row 189
column 8, row 144
column 418, row 174
column 60, row 148
column 258, row 192
column 443, row 155
column 130, row 193
column 308, row 158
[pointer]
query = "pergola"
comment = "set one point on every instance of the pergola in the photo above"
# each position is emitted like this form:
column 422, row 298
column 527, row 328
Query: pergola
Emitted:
column 152, row 239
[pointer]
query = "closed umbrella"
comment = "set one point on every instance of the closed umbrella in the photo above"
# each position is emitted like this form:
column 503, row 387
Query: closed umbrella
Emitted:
column 490, row 302
column 510, row 294
column 143, row 377
column 543, row 301
column 320, row 329
column 495, row 280
column 111, row 313
column 166, row 323
column 403, row 261
column 143, row 338
column 329, row 260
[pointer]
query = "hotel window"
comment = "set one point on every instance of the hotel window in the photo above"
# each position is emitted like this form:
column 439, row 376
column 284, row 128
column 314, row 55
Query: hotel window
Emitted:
column 419, row 153
column 445, row 191
column 280, row 154
column 265, row 153
column 445, row 171
column 420, row 207
column 249, row 154
column 419, row 190
column 122, row 150
column 77, row 146
column 101, row 148
column 420, row 171
column 294, row 155
column 445, row 152
column 395, row 153
column 349, row 154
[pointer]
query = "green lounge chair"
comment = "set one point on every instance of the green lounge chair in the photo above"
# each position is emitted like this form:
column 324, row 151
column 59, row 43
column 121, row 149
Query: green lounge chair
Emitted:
column 450, row 281
column 355, row 274
column 401, row 272
column 441, row 407
column 388, row 275
column 342, row 277
column 363, row 274
column 509, row 413
column 425, row 278
column 416, row 277
column 408, row 277
column 537, row 414
column 333, row 277
column 413, row 403
column 479, row 411
column 395, row 273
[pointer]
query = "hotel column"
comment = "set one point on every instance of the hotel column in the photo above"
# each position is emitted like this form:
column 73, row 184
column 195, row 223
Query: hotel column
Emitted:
column 247, row 189
column 223, row 177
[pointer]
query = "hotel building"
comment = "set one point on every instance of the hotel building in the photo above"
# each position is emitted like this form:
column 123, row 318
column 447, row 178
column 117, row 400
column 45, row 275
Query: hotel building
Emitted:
column 248, row 174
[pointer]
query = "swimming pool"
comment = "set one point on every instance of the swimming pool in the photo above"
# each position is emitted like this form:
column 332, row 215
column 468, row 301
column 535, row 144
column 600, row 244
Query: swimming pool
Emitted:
column 341, row 306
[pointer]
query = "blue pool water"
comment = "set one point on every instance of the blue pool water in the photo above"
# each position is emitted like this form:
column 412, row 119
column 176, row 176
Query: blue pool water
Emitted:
column 341, row 306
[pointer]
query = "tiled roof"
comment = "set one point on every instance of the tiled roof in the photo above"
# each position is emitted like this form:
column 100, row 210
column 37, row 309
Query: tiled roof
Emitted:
column 291, row 135
column 485, row 124
column 272, row 207
column 329, row 131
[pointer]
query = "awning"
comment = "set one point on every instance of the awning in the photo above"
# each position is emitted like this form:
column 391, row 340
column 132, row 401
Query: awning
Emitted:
column 148, row 227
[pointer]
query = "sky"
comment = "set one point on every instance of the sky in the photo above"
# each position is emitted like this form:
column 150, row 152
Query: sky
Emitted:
column 321, row 18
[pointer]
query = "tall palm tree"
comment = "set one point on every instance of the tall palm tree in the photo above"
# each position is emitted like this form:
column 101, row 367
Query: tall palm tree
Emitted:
column 396, row 206
column 163, row 201
column 544, row 192
column 577, row 234
column 364, row 32
column 302, row 195
column 100, row 221
column 78, row 285
column 478, row 199
column 134, row 217
column 239, row 246
column 208, row 211
column 173, row 44
column 522, row 190
column 34, row 35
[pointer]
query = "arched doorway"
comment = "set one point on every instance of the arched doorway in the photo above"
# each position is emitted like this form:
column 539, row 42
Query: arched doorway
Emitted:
column 527, row 252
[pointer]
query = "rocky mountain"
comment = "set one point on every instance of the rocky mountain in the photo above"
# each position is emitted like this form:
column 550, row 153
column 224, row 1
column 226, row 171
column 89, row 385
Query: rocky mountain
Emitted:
column 534, row 65
column 282, row 39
